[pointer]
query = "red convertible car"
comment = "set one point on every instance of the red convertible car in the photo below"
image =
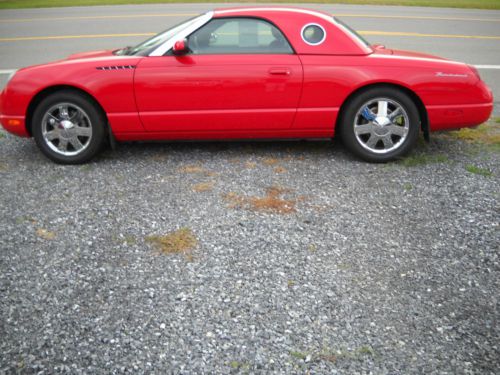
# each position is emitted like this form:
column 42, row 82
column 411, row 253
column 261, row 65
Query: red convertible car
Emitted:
column 244, row 73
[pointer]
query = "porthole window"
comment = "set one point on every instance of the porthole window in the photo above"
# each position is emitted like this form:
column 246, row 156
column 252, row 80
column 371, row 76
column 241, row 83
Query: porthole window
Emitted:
column 313, row 34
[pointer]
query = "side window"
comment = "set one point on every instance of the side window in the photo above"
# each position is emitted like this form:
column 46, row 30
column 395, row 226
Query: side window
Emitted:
column 313, row 34
column 238, row 36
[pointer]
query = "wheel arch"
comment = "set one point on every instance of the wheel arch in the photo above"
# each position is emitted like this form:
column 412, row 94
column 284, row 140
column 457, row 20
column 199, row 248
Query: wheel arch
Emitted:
column 41, row 95
column 424, row 119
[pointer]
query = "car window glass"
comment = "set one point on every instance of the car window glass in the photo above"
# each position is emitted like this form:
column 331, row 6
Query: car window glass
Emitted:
column 238, row 36
column 149, row 45
column 313, row 34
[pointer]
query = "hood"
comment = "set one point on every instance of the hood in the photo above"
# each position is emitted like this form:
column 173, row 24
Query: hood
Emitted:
column 86, row 55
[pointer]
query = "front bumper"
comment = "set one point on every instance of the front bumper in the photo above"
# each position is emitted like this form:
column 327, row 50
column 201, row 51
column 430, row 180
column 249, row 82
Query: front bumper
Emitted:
column 13, row 124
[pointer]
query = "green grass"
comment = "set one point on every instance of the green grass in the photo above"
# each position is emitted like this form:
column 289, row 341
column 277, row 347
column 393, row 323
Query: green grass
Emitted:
column 485, row 136
column 488, row 133
column 477, row 170
column 181, row 241
column 298, row 355
column 416, row 160
column 333, row 355
column 242, row 366
column 408, row 187
column 479, row 4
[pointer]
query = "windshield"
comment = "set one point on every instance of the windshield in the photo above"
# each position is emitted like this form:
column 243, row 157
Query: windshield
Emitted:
column 352, row 32
column 145, row 48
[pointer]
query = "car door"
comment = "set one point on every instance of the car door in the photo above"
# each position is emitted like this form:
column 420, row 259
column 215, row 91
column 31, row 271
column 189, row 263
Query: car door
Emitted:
column 240, row 74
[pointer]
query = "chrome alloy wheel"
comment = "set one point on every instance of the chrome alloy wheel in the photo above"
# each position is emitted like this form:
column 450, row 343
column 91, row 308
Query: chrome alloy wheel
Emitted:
column 381, row 125
column 66, row 129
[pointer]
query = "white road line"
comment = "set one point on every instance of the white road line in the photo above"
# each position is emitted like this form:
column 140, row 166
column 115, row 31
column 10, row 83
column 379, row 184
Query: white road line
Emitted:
column 486, row 67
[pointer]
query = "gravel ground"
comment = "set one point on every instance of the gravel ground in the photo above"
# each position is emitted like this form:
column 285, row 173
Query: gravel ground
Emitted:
column 379, row 269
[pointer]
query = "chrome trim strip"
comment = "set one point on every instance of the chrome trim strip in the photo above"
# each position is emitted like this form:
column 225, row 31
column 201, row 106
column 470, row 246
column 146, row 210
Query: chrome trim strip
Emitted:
column 202, row 20
column 115, row 67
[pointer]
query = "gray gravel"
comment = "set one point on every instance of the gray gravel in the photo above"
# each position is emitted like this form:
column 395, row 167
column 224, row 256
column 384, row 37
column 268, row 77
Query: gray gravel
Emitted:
column 382, row 269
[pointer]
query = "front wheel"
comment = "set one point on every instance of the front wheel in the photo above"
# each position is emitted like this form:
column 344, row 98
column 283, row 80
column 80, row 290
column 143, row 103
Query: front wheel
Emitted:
column 380, row 124
column 68, row 128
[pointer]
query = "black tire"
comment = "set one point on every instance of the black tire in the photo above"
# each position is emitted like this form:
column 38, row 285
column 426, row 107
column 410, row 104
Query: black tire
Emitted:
column 382, row 151
column 91, row 120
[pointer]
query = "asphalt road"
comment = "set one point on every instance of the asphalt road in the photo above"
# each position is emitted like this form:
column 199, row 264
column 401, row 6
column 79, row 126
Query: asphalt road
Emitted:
column 32, row 36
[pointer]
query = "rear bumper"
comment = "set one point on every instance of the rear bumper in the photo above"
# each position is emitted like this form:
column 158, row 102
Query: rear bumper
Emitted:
column 447, row 117
column 458, row 116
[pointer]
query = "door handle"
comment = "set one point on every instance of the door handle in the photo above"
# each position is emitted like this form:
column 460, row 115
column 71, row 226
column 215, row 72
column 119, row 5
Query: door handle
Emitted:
column 280, row 71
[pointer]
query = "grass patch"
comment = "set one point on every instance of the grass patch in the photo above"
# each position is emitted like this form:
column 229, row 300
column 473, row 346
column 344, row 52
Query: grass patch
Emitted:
column 129, row 240
column 327, row 356
column 3, row 167
column 1, row 134
column 270, row 161
column 273, row 162
column 298, row 355
column 487, row 134
column 272, row 202
column 357, row 354
column 365, row 350
column 477, row 170
column 408, row 187
column 181, row 241
column 45, row 234
column 344, row 266
column 203, row 187
column 236, row 365
column 25, row 219
column 194, row 169
column 416, row 160
column 85, row 168
column 331, row 355
column 250, row 165
column 480, row 4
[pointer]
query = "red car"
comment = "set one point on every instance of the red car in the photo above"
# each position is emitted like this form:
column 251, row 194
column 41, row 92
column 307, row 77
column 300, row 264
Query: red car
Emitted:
column 253, row 73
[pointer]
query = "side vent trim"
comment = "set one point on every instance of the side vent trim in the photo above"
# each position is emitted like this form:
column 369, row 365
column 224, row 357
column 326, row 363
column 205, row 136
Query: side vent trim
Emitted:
column 115, row 67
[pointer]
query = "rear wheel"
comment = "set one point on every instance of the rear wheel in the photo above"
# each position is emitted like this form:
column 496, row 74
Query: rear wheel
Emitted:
column 68, row 128
column 380, row 124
